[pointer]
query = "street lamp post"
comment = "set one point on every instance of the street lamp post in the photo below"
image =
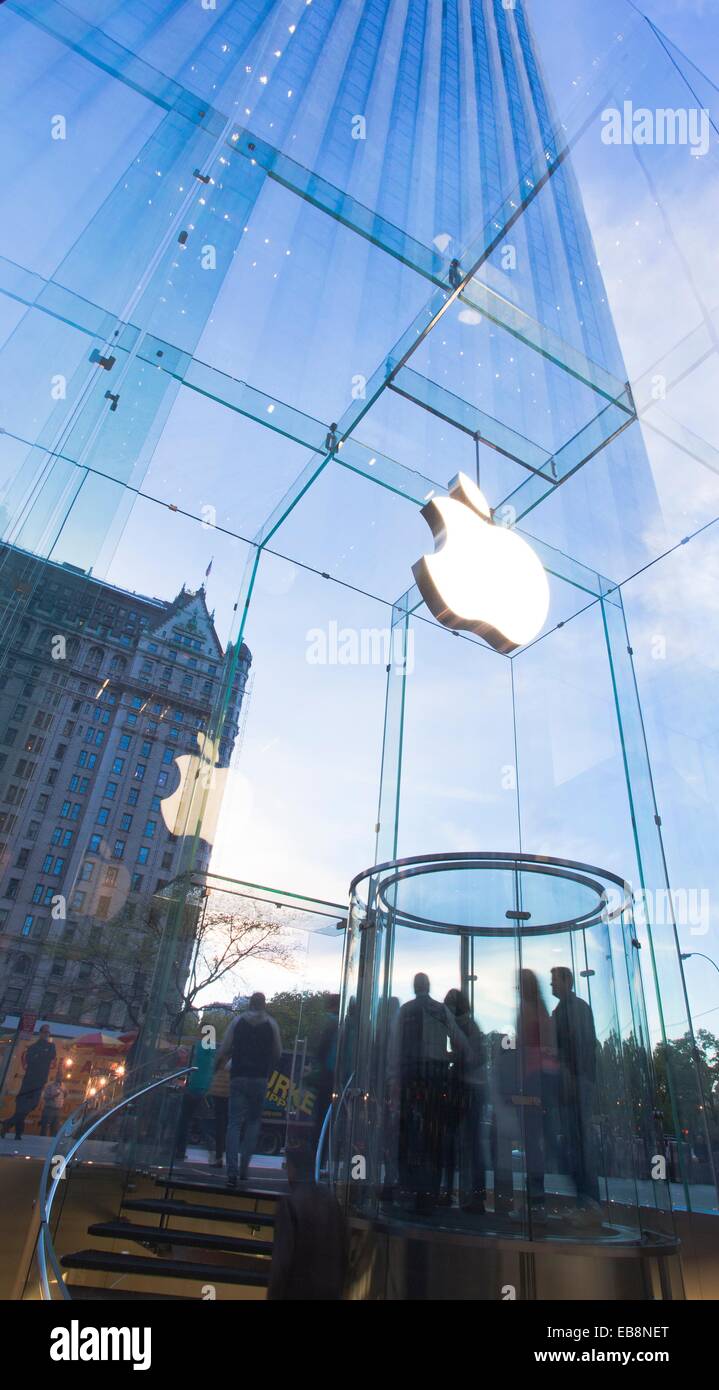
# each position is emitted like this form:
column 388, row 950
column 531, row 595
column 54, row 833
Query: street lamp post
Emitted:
column 687, row 955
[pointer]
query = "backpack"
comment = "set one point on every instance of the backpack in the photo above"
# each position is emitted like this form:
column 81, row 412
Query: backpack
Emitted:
column 252, row 1045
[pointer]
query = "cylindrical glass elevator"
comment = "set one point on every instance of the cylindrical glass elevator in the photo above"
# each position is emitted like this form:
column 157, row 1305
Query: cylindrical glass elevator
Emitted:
column 494, row 1086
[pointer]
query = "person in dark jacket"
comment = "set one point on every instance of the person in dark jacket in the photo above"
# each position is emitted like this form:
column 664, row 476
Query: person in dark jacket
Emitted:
column 420, row 1065
column 576, row 1043
column 309, row 1255
column 326, row 1056
column 463, row 1139
column 37, row 1061
column 254, row 1045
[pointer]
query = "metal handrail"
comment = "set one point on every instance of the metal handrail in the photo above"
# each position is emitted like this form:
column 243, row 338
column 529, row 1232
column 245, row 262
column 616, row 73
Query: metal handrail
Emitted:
column 321, row 1142
column 46, row 1200
column 326, row 1124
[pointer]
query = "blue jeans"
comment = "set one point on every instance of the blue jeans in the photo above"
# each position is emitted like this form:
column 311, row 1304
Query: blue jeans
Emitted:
column 247, row 1097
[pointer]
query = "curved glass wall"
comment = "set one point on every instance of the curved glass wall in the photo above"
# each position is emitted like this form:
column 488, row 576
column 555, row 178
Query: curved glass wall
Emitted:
column 494, row 1074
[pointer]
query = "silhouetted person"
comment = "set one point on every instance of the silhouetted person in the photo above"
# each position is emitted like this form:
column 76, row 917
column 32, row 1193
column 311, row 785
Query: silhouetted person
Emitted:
column 537, row 1061
column 326, row 1061
column 464, row 1147
column 388, row 1115
column 37, row 1061
column 254, row 1044
column 309, row 1253
column 421, row 1060
column 331, row 440
column 219, row 1094
column 577, row 1054
column 455, row 274
column 193, row 1096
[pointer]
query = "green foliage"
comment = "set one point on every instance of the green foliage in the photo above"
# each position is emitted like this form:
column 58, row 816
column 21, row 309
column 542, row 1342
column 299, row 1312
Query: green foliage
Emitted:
column 301, row 1014
column 676, row 1059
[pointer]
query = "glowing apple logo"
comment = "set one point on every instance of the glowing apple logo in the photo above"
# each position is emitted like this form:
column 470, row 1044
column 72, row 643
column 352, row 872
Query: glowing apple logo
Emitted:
column 481, row 577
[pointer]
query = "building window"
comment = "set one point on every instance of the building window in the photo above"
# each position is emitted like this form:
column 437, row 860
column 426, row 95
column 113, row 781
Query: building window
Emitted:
column 94, row 844
column 150, row 829
column 125, row 822
column 143, row 854
column 78, row 900
column 110, row 877
column 118, row 851
column 103, row 908
column 11, row 890
column 133, row 796
column 27, row 925
column 162, row 779
column 140, row 770
column 103, row 815
column 110, row 790
column 136, row 883
column 118, row 765
column 87, row 871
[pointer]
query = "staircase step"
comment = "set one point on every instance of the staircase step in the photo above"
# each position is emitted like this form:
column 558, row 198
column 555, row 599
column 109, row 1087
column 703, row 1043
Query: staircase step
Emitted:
column 160, row 1266
column 84, row 1293
column 197, row 1211
column 171, row 1235
column 263, row 1194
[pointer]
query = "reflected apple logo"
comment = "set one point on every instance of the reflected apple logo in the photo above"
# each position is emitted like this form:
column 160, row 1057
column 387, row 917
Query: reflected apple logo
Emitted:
column 198, row 773
column 482, row 577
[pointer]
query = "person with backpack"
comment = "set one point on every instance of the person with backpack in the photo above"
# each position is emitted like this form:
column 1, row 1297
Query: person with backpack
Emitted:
column 254, row 1047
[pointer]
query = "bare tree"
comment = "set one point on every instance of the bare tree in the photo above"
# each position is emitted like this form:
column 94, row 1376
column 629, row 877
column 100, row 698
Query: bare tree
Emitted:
column 214, row 939
column 226, row 938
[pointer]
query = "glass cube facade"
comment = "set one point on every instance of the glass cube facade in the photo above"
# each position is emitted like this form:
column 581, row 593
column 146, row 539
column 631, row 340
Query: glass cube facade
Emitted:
column 273, row 272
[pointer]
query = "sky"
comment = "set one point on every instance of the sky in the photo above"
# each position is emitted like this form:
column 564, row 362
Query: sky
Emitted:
column 304, row 314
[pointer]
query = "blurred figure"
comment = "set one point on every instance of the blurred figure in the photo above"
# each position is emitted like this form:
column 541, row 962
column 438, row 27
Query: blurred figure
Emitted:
column 504, row 1129
column 219, row 1094
column 254, row 1045
column 326, row 1061
column 421, row 1063
column 464, row 1147
column 53, row 1102
column 37, row 1061
column 537, row 1059
column 388, row 1116
column 309, row 1256
column 577, row 1054
column 193, row 1096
